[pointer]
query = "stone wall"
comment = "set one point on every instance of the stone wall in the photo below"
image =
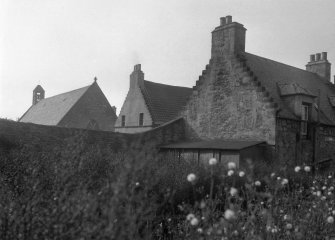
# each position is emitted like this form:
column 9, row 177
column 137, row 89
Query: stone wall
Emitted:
column 294, row 149
column 228, row 103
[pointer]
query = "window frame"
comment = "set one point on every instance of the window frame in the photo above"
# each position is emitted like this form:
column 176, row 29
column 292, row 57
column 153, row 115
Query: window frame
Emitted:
column 123, row 120
column 306, row 114
column 141, row 119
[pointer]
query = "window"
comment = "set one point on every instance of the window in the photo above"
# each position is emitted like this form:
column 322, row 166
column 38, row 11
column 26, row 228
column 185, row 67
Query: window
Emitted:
column 140, row 121
column 123, row 121
column 93, row 125
column 305, row 118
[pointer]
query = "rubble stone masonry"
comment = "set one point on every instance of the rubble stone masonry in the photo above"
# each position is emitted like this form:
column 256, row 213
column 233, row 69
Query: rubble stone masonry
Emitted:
column 227, row 103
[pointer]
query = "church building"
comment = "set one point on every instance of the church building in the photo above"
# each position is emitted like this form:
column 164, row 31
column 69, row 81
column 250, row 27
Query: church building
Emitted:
column 86, row 108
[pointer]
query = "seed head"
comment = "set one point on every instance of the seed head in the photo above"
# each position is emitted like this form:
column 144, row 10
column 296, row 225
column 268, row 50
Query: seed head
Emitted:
column 257, row 183
column 284, row 181
column 191, row 177
column 297, row 169
column 190, row 216
column 212, row 161
column 307, row 168
column 231, row 165
column 230, row 172
column 330, row 219
column 194, row 221
column 233, row 191
column 229, row 214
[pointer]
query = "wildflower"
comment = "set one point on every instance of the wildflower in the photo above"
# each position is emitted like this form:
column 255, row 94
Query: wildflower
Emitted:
column 289, row 226
column 333, row 212
column 230, row 172
column 257, row 183
column 199, row 230
column 318, row 193
column 231, row 165
column 297, row 169
column 329, row 176
column 284, row 181
column 191, row 177
column 137, row 184
column 273, row 175
column 233, row 191
column 330, row 219
column 194, row 221
column 324, row 188
column 241, row 174
column 229, row 214
column 190, row 216
column 235, row 233
column 307, row 168
column 331, row 188
column 323, row 198
column 213, row 161
column 278, row 178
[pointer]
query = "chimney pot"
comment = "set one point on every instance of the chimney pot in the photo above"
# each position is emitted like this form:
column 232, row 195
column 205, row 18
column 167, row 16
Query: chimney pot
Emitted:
column 222, row 21
column 137, row 67
column 324, row 56
column 312, row 58
column 228, row 19
column 317, row 57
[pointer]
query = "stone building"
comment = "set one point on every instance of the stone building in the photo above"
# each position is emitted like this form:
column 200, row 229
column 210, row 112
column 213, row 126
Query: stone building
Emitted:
column 85, row 107
column 244, row 97
column 149, row 104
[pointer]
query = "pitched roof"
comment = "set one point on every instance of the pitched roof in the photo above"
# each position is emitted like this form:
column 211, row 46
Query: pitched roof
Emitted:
column 272, row 74
column 50, row 111
column 164, row 101
column 214, row 144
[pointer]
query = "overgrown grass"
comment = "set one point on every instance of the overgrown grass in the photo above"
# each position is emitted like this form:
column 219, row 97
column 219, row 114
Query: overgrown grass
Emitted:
column 81, row 192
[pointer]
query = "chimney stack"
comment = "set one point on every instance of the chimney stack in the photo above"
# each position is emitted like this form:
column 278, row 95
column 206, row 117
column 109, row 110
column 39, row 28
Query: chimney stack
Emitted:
column 136, row 78
column 38, row 94
column 319, row 64
column 114, row 109
column 228, row 38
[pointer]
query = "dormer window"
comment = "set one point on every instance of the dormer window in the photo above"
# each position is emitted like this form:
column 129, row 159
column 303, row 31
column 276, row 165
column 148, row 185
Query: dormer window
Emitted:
column 140, row 120
column 305, row 119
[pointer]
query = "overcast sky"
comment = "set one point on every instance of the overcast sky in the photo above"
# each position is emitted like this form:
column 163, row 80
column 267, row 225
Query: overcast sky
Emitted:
column 63, row 44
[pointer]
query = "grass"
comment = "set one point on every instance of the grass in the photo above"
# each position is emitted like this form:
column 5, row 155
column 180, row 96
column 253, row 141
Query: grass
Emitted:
column 81, row 192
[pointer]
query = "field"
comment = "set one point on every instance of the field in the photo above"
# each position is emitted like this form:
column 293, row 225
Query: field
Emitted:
column 81, row 192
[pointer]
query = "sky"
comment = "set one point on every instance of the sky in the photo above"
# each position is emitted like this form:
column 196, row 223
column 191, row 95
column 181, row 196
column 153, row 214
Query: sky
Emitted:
column 62, row 45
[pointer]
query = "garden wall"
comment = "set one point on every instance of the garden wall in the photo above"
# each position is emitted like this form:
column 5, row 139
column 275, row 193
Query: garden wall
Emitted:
column 44, row 138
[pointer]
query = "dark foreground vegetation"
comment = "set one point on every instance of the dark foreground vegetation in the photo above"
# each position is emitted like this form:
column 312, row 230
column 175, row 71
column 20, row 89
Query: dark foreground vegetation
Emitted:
column 81, row 192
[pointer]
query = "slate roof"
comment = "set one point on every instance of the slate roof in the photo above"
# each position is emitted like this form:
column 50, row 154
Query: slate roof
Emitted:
column 293, row 89
column 214, row 144
column 164, row 101
column 271, row 74
column 50, row 111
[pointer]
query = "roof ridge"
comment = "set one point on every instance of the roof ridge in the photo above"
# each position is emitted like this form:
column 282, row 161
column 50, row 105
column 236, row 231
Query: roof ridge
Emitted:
column 57, row 95
column 167, row 84
column 297, row 68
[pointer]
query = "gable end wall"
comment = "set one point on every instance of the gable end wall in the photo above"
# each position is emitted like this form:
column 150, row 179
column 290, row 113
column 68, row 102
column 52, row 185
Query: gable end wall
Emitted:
column 227, row 103
column 92, row 105
column 131, row 108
